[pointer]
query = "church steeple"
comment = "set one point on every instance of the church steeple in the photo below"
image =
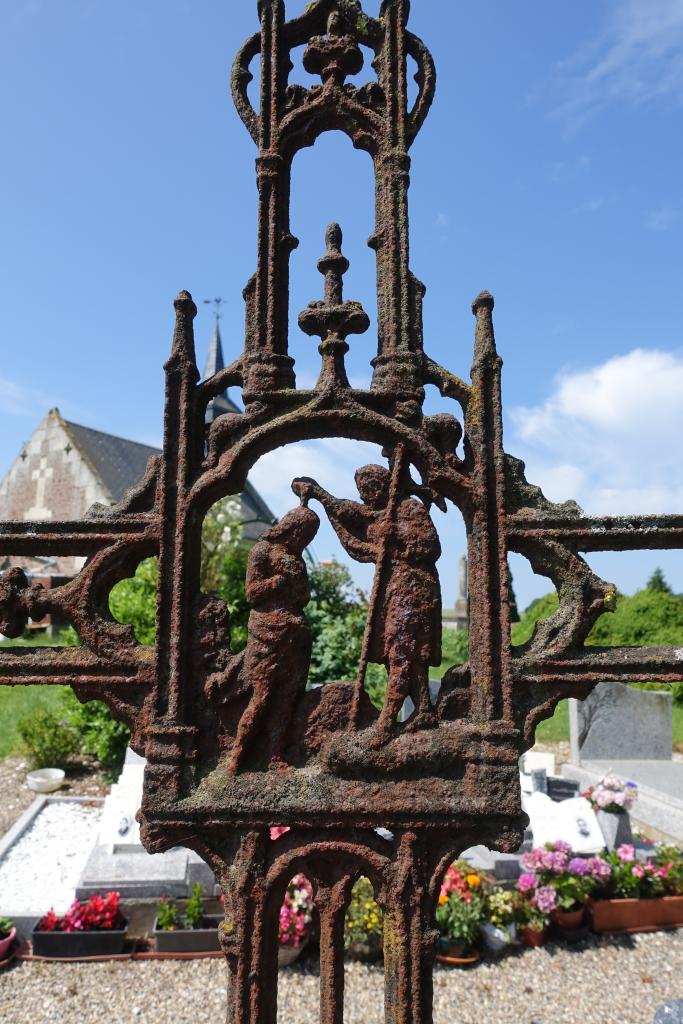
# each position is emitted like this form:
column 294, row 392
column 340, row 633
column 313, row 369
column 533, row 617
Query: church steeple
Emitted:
column 214, row 357
column 214, row 362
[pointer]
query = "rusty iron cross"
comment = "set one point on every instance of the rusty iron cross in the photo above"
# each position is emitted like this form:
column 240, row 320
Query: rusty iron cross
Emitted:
column 235, row 743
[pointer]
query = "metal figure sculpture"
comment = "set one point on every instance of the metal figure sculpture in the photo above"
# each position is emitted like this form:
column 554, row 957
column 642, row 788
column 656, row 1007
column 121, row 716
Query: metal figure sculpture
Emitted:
column 234, row 743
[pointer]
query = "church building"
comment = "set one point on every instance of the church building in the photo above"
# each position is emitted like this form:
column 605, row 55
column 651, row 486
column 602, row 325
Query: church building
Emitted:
column 65, row 467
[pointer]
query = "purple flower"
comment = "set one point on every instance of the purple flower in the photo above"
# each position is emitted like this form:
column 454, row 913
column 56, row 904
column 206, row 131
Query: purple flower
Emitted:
column 578, row 866
column 562, row 847
column 558, row 860
column 527, row 881
column 545, row 899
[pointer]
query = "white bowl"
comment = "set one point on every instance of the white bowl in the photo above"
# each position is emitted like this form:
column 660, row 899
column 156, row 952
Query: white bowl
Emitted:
column 45, row 780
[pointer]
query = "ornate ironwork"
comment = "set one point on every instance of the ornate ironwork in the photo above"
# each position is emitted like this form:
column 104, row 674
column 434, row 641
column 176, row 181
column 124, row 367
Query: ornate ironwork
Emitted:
column 235, row 743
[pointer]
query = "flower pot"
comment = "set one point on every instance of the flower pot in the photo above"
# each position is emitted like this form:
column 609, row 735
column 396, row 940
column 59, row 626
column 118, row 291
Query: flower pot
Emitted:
column 452, row 947
column 616, row 828
column 534, row 937
column 79, row 945
column 568, row 919
column 6, row 944
column 496, row 940
column 369, row 949
column 287, row 953
column 637, row 915
column 189, row 940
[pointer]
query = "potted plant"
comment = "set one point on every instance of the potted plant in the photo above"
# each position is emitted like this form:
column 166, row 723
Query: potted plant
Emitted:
column 296, row 914
column 612, row 798
column 498, row 927
column 459, row 912
column 531, row 910
column 632, row 896
column 94, row 928
column 190, row 932
column 570, row 879
column 459, row 923
column 364, row 923
column 7, row 935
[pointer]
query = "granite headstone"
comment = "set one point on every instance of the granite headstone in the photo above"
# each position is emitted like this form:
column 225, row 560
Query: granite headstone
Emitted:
column 617, row 723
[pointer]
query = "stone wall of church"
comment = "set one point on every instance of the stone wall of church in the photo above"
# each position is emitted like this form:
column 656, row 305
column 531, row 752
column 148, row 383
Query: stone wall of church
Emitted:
column 50, row 479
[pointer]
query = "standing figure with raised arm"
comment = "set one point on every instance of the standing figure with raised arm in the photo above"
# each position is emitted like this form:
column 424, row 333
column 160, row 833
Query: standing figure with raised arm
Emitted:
column 404, row 619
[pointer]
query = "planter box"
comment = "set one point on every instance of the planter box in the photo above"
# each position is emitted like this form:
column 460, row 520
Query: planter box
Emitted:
column 637, row 915
column 190, row 940
column 79, row 944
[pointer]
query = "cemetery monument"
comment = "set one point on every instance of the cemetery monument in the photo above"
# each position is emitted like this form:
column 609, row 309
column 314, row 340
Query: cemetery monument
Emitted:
column 234, row 742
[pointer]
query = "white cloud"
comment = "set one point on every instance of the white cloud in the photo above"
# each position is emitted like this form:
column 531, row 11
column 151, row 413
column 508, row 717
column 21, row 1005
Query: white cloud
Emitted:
column 17, row 400
column 637, row 58
column 330, row 461
column 607, row 436
column 663, row 219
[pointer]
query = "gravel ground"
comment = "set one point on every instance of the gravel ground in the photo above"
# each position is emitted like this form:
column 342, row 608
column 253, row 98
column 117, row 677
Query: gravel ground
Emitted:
column 596, row 982
column 15, row 796
column 42, row 868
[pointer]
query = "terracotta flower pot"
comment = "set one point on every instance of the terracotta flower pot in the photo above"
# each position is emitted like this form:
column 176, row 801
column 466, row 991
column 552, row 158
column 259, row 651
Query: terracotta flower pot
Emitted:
column 6, row 944
column 568, row 918
column 637, row 915
column 534, row 936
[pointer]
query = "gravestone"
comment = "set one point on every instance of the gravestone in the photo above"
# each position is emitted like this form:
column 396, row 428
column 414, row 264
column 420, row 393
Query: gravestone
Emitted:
column 628, row 733
column 618, row 723
column 119, row 861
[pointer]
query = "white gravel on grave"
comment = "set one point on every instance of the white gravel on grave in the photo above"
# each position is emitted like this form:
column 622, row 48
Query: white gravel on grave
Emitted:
column 42, row 869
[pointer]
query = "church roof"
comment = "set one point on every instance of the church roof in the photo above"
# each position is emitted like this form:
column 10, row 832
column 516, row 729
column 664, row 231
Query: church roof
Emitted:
column 119, row 463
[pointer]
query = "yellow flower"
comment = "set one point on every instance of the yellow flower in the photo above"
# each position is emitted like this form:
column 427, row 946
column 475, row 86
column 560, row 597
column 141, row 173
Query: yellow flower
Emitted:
column 473, row 881
column 443, row 898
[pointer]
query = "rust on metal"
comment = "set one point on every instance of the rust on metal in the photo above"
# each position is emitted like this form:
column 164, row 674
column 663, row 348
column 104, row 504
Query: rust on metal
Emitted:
column 235, row 742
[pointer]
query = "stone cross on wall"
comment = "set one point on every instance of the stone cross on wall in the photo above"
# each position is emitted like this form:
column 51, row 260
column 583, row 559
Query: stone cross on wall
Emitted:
column 41, row 475
column 235, row 742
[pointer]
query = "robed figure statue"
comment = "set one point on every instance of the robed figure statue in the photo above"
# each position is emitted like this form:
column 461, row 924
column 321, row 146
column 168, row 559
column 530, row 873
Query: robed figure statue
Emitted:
column 395, row 531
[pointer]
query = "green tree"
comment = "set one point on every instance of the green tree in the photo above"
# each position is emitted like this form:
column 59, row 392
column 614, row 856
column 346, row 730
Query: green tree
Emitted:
column 337, row 615
column 658, row 583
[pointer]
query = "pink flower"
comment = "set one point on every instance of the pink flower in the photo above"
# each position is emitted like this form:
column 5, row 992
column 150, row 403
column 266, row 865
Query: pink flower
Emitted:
column 626, row 853
column 545, row 899
column 562, row 847
column 278, row 830
column 579, row 866
column 599, row 868
column 527, row 881
column 638, row 871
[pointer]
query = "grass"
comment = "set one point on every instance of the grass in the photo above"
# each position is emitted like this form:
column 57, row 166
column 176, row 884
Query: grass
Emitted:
column 17, row 702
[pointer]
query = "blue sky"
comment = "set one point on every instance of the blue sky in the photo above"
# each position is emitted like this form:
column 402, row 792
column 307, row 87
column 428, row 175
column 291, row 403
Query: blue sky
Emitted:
column 549, row 172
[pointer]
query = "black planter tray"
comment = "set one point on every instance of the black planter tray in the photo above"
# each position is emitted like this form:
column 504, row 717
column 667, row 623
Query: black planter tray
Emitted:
column 189, row 940
column 79, row 944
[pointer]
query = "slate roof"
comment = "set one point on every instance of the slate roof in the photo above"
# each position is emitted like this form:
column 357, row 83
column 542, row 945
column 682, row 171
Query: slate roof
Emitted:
column 119, row 463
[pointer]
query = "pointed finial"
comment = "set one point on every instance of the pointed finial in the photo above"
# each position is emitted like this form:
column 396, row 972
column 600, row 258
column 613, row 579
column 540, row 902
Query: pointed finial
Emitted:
column 484, row 300
column 333, row 265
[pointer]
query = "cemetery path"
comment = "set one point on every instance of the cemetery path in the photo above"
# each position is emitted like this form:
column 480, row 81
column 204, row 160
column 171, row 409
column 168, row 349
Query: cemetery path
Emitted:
column 597, row 982
column 83, row 779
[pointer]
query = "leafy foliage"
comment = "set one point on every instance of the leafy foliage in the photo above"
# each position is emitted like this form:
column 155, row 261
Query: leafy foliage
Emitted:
column 194, row 908
column 98, row 733
column 133, row 601
column 337, row 615
column 47, row 738
column 364, row 920
column 168, row 915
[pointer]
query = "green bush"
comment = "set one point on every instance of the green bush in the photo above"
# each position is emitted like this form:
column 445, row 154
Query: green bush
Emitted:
column 47, row 738
column 98, row 733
